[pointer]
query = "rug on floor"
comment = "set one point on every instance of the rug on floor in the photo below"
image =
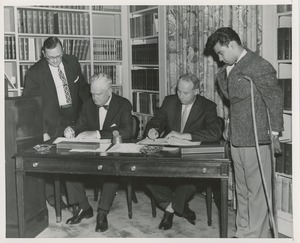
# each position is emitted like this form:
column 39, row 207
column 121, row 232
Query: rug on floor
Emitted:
column 142, row 224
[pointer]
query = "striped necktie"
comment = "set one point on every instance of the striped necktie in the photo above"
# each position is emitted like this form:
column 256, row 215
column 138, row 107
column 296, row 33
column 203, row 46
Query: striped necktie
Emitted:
column 65, row 85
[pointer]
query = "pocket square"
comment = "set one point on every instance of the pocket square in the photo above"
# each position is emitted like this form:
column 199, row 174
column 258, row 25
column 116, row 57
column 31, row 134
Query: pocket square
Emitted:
column 76, row 79
column 113, row 125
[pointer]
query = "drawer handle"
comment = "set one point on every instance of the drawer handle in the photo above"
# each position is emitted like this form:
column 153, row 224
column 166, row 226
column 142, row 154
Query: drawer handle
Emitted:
column 100, row 167
column 35, row 164
column 204, row 170
column 133, row 168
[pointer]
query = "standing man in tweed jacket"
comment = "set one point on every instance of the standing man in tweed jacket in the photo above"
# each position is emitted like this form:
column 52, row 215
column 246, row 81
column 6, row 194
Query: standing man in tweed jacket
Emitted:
column 252, row 218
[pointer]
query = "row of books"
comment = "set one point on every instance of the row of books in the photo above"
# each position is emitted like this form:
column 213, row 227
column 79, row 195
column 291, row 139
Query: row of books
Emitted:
column 76, row 47
column 146, row 103
column 284, row 45
column 9, row 47
column 146, row 79
column 284, row 162
column 50, row 22
column 284, row 8
column 135, row 8
column 286, row 86
column 145, row 54
column 113, row 71
column 107, row 49
column 144, row 25
column 284, row 190
column 112, row 8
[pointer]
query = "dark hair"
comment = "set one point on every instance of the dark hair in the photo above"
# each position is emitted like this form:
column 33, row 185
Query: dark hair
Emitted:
column 189, row 77
column 222, row 36
column 51, row 43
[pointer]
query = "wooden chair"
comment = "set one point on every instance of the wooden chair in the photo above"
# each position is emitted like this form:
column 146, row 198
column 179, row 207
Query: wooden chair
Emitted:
column 130, row 189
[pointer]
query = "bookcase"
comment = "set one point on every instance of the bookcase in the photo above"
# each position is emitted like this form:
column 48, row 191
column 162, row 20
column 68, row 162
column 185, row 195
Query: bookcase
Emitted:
column 284, row 162
column 92, row 33
column 147, row 60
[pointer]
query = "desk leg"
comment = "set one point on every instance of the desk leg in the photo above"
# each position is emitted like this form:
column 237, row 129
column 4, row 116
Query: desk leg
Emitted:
column 129, row 197
column 57, row 197
column 20, row 195
column 224, row 208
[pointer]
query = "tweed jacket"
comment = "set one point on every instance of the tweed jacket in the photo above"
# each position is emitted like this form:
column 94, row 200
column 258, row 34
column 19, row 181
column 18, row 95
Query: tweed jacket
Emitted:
column 118, row 117
column 202, row 123
column 39, row 81
column 267, row 95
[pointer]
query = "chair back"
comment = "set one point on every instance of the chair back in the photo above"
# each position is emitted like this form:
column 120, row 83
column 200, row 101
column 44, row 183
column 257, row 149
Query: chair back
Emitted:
column 136, row 127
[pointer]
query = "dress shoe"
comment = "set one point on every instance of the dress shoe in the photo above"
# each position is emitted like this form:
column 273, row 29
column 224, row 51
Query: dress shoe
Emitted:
column 101, row 224
column 79, row 215
column 167, row 221
column 189, row 215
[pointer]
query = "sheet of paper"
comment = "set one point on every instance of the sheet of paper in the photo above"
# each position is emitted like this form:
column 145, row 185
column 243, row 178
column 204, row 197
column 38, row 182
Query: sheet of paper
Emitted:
column 125, row 148
column 88, row 140
column 102, row 148
column 164, row 141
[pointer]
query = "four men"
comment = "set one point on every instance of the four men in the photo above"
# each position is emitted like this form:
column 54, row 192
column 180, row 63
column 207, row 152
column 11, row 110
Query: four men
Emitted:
column 187, row 115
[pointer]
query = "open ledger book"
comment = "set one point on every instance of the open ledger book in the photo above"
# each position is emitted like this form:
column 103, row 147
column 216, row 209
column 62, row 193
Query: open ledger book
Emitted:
column 166, row 142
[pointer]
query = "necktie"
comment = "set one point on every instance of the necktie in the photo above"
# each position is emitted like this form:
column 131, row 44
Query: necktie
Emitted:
column 184, row 117
column 65, row 85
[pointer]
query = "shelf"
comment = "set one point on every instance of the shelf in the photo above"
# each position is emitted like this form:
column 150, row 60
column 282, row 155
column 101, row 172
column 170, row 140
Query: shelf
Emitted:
column 143, row 11
column 54, row 9
column 145, row 91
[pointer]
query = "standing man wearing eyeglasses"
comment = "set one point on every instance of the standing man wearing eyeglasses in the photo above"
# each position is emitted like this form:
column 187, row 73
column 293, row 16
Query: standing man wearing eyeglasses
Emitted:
column 58, row 79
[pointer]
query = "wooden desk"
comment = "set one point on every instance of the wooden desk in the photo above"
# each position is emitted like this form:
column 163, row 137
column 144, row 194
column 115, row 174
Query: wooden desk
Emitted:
column 164, row 164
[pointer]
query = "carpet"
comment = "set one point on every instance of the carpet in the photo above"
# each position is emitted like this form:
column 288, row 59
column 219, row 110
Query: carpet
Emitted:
column 142, row 224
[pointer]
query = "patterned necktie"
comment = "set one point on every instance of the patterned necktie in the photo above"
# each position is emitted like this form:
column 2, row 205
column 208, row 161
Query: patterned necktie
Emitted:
column 65, row 85
column 184, row 117
column 104, row 106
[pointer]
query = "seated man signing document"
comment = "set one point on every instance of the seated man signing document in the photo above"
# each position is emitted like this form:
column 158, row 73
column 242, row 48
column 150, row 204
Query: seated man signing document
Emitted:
column 100, row 116
column 186, row 116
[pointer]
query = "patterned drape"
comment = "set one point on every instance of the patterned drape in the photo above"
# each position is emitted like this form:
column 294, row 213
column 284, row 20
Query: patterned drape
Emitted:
column 188, row 28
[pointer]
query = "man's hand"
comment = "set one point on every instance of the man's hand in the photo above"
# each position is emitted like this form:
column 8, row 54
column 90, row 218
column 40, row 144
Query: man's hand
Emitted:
column 69, row 132
column 153, row 134
column 276, row 144
column 87, row 134
column 178, row 135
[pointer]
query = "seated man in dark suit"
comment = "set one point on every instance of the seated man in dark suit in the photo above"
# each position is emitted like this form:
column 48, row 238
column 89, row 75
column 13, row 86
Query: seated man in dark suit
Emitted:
column 187, row 116
column 102, row 114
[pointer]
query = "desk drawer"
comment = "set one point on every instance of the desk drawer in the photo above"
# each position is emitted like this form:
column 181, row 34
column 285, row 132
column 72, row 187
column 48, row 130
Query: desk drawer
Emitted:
column 170, row 169
column 70, row 166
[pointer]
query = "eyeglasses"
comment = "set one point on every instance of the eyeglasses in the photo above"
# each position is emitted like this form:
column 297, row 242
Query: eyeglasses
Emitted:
column 54, row 58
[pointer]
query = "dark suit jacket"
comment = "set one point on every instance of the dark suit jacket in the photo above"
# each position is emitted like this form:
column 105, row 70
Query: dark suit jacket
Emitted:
column 118, row 114
column 267, row 94
column 202, row 123
column 39, row 81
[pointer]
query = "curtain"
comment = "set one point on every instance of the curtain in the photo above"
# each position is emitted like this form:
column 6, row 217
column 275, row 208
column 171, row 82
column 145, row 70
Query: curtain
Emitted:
column 188, row 28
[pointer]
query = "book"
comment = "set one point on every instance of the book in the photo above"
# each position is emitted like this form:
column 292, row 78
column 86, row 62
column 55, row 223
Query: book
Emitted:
column 168, row 142
column 77, row 145
column 204, row 148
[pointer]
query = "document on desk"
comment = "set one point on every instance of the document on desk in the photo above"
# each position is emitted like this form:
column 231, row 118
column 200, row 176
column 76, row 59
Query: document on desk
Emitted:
column 166, row 142
column 83, row 140
column 125, row 148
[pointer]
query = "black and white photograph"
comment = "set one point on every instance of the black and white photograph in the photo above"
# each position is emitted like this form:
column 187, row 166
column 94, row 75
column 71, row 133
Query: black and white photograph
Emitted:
column 171, row 122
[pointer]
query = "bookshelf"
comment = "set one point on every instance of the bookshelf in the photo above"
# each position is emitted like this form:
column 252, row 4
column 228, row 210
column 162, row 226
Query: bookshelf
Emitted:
column 98, row 47
column 284, row 162
column 147, row 60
